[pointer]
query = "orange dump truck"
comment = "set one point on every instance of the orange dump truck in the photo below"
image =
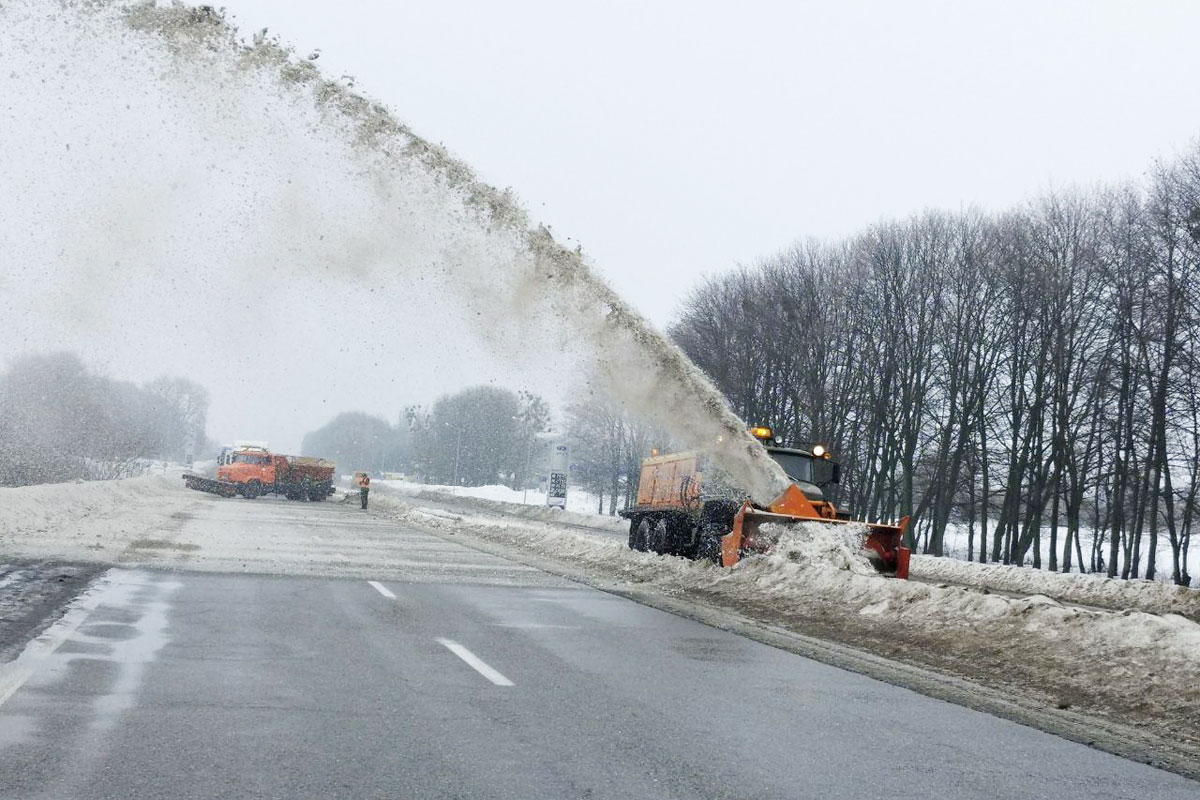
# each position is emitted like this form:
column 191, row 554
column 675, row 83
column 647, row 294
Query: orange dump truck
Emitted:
column 673, row 516
column 254, row 471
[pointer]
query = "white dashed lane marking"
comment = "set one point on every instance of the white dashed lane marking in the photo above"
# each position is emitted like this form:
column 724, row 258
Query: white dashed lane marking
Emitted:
column 476, row 663
column 383, row 590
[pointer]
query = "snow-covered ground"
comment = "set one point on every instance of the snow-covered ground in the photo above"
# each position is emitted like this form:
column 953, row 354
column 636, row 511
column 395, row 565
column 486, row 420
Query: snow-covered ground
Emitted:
column 89, row 520
column 956, row 547
column 1095, row 590
column 578, row 501
column 955, row 544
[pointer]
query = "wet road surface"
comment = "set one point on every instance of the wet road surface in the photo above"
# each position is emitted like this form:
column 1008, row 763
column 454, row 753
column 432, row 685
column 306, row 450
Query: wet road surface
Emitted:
column 456, row 674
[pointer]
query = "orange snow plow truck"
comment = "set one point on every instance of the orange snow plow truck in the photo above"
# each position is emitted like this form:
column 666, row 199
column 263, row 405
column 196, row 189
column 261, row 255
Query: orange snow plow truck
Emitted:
column 673, row 517
column 254, row 471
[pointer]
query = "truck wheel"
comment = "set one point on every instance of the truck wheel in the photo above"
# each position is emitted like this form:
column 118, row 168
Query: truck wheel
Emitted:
column 317, row 493
column 660, row 538
column 641, row 537
column 709, row 546
column 687, row 539
column 253, row 489
column 633, row 533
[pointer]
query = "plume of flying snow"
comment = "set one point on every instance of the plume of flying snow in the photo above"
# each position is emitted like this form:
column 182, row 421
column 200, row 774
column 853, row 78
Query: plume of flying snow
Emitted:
column 202, row 170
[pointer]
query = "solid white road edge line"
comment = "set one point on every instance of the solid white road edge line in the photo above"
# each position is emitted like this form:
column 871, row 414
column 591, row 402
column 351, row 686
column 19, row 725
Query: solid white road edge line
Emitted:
column 14, row 674
column 475, row 662
column 383, row 590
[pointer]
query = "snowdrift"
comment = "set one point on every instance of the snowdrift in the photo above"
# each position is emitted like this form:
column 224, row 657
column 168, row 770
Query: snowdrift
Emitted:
column 484, row 498
column 1095, row 590
column 75, row 520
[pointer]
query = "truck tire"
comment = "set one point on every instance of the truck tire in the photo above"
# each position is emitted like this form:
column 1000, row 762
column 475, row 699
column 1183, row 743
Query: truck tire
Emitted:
column 317, row 493
column 659, row 540
column 687, row 538
column 253, row 489
column 641, row 536
column 709, row 546
column 633, row 532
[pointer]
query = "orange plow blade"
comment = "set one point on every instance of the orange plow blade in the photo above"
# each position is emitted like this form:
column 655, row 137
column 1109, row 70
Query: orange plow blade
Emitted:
column 883, row 542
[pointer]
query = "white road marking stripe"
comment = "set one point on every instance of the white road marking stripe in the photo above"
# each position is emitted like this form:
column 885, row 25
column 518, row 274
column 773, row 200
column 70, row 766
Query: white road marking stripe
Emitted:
column 383, row 590
column 14, row 674
column 12, row 680
column 475, row 662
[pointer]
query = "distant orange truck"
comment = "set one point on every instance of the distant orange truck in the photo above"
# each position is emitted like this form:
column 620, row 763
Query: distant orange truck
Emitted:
column 254, row 471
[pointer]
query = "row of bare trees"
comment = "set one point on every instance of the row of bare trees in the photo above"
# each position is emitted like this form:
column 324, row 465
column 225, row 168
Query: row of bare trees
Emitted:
column 60, row 421
column 607, row 447
column 1032, row 376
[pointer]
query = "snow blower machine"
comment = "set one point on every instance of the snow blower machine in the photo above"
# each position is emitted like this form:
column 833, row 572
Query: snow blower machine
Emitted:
column 673, row 517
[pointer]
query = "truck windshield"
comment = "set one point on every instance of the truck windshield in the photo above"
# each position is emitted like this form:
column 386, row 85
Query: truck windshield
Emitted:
column 798, row 467
column 246, row 458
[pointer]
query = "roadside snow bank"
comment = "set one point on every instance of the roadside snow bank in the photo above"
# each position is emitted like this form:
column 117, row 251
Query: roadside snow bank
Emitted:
column 74, row 520
column 578, row 501
column 1093, row 590
column 1153, row 597
column 815, row 562
column 817, row 581
column 503, row 508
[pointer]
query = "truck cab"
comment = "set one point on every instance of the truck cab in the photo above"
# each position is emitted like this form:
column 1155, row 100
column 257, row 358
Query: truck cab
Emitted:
column 251, row 468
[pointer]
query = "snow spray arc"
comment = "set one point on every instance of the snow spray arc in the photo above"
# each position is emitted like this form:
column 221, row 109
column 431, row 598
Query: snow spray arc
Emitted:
column 476, row 240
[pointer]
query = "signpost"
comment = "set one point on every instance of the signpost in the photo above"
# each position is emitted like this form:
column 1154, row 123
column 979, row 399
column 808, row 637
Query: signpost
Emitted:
column 556, row 486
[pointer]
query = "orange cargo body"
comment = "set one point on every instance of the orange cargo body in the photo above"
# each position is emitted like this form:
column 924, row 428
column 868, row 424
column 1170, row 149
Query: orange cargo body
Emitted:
column 669, row 482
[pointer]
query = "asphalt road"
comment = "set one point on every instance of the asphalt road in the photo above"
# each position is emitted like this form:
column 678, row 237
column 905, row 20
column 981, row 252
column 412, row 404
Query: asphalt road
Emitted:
column 456, row 674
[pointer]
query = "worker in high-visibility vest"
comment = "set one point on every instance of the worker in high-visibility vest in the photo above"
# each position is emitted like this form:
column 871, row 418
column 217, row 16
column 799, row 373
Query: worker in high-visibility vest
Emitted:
column 364, row 486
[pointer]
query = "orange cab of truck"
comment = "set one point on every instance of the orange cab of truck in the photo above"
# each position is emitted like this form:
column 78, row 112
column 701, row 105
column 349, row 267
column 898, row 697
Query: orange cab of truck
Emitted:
column 252, row 467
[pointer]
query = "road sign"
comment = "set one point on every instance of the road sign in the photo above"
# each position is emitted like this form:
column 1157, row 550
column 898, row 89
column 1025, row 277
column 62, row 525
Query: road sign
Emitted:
column 556, row 489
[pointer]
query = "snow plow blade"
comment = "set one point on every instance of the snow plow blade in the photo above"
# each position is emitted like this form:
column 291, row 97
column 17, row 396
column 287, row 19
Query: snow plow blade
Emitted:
column 202, row 484
column 882, row 543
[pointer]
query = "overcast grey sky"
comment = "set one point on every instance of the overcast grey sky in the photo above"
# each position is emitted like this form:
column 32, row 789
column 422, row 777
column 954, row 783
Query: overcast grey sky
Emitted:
column 158, row 220
column 674, row 139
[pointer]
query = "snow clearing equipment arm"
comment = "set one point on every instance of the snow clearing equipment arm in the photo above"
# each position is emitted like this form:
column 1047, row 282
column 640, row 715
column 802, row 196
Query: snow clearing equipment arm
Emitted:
column 882, row 544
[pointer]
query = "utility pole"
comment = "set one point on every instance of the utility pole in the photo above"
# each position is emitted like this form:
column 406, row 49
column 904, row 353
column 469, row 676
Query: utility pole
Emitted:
column 457, row 449
column 528, row 459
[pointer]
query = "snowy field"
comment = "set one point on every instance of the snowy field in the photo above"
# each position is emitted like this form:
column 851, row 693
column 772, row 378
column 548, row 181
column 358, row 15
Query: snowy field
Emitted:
column 956, row 547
